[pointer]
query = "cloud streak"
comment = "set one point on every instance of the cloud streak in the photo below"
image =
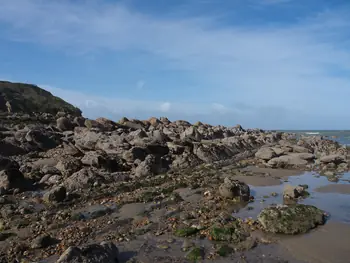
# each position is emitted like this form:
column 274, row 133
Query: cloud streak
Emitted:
column 300, row 67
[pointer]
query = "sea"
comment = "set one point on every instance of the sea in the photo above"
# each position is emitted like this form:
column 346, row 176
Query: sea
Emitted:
column 341, row 136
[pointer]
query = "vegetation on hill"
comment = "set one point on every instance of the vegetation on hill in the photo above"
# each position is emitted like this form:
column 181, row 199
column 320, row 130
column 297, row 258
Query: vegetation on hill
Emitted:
column 29, row 98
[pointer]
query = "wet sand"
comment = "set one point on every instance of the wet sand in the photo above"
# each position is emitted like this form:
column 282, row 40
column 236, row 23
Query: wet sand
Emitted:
column 326, row 244
column 266, row 176
column 335, row 188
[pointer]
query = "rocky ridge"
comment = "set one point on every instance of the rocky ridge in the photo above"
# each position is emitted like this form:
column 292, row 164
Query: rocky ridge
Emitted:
column 77, row 181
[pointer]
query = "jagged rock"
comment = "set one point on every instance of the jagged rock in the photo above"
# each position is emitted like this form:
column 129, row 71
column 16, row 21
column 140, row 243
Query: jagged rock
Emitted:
column 146, row 167
column 165, row 120
column 212, row 153
column 64, row 124
column 157, row 149
column 79, row 121
column 135, row 153
column 87, row 140
column 94, row 253
column 291, row 160
column 40, row 139
column 13, row 179
column 42, row 241
column 6, row 164
column 265, row 154
column 84, row 178
column 300, row 149
column 234, row 189
column 10, row 149
column 334, row 158
column 103, row 161
column 154, row 121
column 294, row 219
column 291, row 192
column 107, row 124
column 191, row 133
column 158, row 136
column 57, row 194
column 68, row 166
column 70, row 149
column 185, row 160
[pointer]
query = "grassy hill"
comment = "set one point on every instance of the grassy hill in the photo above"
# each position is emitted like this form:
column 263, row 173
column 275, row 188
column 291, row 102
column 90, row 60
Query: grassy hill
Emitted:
column 29, row 98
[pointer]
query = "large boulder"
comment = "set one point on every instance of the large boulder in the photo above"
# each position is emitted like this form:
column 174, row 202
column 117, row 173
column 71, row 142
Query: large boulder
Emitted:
column 105, row 252
column 100, row 160
column 85, row 139
column 64, row 124
column 84, row 178
column 11, row 179
column 234, row 189
column 10, row 149
column 191, row 133
column 135, row 153
column 291, row 160
column 294, row 219
column 6, row 163
column 334, row 158
column 68, row 166
column 265, row 154
column 147, row 167
column 300, row 149
column 41, row 139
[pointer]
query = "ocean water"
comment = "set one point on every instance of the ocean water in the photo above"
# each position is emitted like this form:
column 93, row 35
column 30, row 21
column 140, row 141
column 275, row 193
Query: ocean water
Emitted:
column 343, row 137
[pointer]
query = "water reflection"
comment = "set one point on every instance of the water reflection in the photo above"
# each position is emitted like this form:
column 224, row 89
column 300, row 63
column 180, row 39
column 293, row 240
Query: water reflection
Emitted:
column 337, row 205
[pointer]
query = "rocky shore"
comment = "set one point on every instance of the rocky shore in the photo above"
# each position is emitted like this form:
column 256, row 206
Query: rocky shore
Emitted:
column 79, row 190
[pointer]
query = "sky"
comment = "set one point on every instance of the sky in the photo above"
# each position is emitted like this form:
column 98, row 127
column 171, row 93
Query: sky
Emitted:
column 271, row 64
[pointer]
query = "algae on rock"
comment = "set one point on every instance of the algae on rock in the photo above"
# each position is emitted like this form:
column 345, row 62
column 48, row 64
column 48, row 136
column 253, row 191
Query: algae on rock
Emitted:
column 294, row 219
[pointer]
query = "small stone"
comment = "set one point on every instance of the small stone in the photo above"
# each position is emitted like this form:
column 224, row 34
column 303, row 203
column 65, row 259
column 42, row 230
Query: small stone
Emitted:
column 57, row 194
column 186, row 245
column 162, row 246
column 42, row 242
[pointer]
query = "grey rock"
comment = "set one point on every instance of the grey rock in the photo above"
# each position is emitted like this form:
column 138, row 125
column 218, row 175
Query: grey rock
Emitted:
column 334, row 158
column 64, row 124
column 291, row 160
column 42, row 242
column 94, row 253
column 57, row 194
column 68, row 166
column 300, row 149
column 234, row 189
column 84, row 178
column 265, row 154
column 294, row 219
column 41, row 139
column 13, row 179
column 146, row 167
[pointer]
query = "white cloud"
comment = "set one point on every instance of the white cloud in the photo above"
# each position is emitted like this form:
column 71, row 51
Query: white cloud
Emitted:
column 220, row 108
column 290, row 67
column 165, row 107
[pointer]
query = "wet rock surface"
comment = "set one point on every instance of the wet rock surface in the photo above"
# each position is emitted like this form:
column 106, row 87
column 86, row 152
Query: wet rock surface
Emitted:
column 294, row 219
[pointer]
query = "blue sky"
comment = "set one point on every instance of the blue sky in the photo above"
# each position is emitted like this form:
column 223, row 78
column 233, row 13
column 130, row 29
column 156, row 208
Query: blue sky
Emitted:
column 274, row 64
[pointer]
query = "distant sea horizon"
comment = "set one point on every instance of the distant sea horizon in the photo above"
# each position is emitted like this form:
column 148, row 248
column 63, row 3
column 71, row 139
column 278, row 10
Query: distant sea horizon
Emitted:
column 341, row 136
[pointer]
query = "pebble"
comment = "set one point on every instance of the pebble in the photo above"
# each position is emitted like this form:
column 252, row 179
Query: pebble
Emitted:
column 186, row 245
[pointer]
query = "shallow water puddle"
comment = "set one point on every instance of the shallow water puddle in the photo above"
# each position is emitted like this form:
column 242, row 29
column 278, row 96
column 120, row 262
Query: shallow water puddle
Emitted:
column 336, row 204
